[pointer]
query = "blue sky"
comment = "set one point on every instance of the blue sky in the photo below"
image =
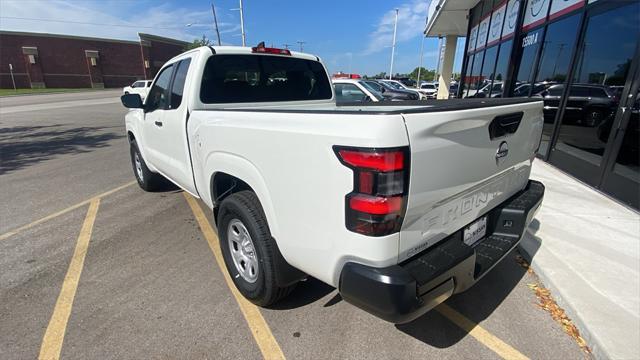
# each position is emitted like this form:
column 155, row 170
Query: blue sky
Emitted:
column 345, row 34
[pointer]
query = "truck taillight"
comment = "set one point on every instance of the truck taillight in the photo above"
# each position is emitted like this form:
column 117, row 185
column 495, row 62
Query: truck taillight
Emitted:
column 377, row 204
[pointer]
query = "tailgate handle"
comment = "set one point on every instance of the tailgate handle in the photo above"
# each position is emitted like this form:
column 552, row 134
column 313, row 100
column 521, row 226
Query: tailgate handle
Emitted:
column 503, row 125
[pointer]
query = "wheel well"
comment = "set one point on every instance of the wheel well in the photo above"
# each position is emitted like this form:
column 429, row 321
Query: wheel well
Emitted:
column 130, row 136
column 223, row 185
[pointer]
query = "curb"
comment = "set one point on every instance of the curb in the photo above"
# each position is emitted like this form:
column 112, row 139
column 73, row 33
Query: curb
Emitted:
column 528, row 247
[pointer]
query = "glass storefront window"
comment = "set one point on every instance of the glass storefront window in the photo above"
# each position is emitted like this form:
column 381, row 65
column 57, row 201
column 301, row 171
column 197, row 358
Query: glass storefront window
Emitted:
column 556, row 52
column 474, row 78
column 486, row 75
column 502, row 65
column 467, row 76
column 553, row 67
column 600, row 72
column 530, row 43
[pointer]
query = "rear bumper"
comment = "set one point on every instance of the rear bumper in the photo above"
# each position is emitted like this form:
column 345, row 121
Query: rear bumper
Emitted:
column 403, row 292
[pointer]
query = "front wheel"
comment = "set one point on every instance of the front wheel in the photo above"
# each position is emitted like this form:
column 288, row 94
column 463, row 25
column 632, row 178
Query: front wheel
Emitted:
column 248, row 249
column 147, row 180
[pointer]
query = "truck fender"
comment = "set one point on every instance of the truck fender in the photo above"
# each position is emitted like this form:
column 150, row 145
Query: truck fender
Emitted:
column 243, row 169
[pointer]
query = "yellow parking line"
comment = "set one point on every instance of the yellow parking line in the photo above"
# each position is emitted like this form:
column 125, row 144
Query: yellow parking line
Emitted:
column 54, row 336
column 64, row 211
column 498, row 346
column 259, row 328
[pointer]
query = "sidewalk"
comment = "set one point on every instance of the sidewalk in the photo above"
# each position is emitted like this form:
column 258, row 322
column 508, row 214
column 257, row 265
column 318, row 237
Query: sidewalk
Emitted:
column 586, row 249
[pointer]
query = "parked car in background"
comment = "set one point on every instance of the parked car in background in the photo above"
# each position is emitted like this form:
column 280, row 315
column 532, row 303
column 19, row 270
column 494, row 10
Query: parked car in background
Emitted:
column 400, row 86
column 140, row 87
column 390, row 93
column 489, row 90
column 588, row 105
column 522, row 90
column 408, row 82
column 430, row 90
column 350, row 90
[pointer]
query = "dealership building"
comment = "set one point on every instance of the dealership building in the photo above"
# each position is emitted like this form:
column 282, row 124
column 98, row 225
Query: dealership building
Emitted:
column 38, row 60
column 581, row 57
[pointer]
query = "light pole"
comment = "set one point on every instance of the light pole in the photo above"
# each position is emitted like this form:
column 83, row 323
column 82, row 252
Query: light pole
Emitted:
column 215, row 22
column 420, row 66
column 393, row 46
column 244, row 39
column 301, row 43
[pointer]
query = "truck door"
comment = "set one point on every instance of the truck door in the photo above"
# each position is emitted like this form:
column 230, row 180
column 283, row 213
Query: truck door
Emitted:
column 155, row 106
column 166, row 135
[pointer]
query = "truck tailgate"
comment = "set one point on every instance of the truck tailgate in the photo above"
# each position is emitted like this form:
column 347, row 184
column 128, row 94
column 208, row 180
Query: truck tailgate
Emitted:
column 463, row 164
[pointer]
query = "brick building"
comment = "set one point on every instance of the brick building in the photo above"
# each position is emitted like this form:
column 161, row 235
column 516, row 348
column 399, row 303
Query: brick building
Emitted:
column 64, row 61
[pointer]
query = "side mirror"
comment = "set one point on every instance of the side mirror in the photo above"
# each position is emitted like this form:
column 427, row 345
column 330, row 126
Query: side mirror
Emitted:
column 132, row 101
column 382, row 89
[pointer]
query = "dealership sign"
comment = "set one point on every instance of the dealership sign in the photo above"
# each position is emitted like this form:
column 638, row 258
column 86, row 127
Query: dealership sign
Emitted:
column 473, row 34
column 561, row 7
column 535, row 13
column 511, row 18
column 495, row 29
column 483, row 31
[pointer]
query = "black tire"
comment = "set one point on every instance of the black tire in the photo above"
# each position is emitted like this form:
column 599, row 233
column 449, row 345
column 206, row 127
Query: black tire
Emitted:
column 245, row 207
column 147, row 180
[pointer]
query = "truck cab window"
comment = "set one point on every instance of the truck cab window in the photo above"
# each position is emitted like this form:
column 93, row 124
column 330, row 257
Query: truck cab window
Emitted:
column 177, row 89
column 158, row 94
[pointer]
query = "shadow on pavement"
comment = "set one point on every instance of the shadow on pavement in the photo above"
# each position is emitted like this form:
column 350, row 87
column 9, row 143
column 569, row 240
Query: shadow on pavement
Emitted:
column 477, row 304
column 22, row 146
column 305, row 293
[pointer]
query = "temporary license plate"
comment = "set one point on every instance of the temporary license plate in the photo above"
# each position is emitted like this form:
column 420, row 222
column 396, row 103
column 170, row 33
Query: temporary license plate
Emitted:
column 476, row 231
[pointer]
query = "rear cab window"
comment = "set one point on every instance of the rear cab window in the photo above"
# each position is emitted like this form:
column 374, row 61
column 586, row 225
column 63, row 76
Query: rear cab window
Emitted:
column 262, row 78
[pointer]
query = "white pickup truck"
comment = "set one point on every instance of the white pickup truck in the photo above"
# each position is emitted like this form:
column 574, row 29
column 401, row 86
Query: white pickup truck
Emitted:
column 397, row 205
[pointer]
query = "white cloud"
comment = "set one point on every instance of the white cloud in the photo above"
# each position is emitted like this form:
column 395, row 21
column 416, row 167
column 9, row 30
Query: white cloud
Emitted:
column 411, row 23
column 113, row 19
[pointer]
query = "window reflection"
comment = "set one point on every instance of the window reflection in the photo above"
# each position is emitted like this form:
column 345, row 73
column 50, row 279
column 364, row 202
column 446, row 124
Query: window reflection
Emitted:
column 600, row 72
column 530, row 43
column 486, row 75
column 502, row 65
column 554, row 64
column 467, row 77
column 475, row 78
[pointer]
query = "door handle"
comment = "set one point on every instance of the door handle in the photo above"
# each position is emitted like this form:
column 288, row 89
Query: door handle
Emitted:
column 158, row 123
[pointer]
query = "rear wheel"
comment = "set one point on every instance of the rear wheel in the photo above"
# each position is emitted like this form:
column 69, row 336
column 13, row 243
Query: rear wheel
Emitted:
column 147, row 180
column 248, row 249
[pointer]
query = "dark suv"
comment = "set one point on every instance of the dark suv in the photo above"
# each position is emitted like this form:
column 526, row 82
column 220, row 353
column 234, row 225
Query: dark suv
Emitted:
column 588, row 105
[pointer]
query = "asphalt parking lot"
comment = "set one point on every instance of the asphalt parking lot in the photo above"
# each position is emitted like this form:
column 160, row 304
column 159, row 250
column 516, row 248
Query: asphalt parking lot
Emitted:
column 92, row 267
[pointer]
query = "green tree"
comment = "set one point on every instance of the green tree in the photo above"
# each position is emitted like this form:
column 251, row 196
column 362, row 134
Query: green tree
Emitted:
column 425, row 75
column 199, row 42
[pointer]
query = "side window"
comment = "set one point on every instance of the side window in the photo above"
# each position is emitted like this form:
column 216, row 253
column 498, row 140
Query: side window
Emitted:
column 177, row 89
column 597, row 93
column 349, row 92
column 158, row 94
column 579, row 91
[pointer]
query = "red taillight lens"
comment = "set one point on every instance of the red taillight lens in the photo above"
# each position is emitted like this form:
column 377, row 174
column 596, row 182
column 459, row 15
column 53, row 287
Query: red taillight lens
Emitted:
column 375, row 160
column 377, row 204
column 266, row 50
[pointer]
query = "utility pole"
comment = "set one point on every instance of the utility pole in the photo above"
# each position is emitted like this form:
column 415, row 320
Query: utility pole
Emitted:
column 286, row 46
column 244, row 39
column 420, row 66
column 393, row 46
column 426, row 21
column 435, row 73
column 301, row 43
column 215, row 22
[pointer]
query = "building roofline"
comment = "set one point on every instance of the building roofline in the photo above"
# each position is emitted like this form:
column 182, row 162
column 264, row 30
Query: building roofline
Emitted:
column 142, row 36
column 167, row 40
column 62, row 36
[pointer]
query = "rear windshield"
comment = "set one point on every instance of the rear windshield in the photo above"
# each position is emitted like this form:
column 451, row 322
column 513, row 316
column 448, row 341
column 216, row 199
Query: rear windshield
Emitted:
column 262, row 78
